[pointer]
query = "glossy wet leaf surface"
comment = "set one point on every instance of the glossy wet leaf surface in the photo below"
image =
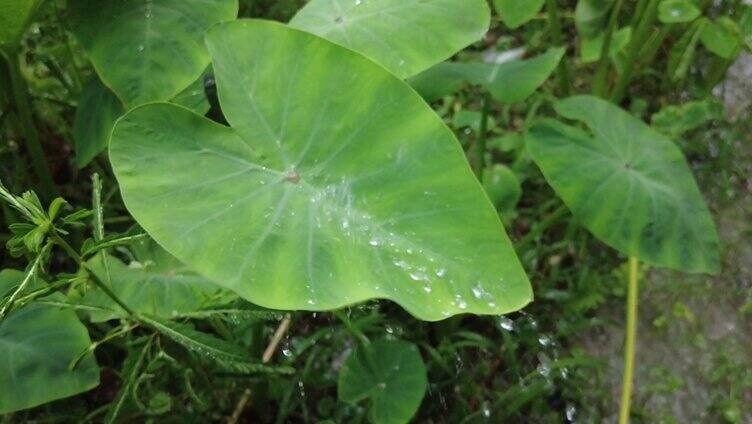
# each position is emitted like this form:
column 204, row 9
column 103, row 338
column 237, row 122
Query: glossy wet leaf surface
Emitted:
column 156, row 284
column 147, row 50
column 404, row 36
column 390, row 374
column 37, row 345
column 321, row 194
column 98, row 109
column 515, row 13
column 628, row 184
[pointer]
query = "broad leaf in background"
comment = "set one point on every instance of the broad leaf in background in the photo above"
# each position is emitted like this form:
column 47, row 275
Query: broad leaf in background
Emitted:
column 722, row 37
column 391, row 374
column 508, row 82
column 515, row 13
column 158, row 285
column 37, row 345
column 512, row 82
column 98, row 109
column 14, row 17
column 677, row 11
column 404, row 36
column 320, row 194
column 147, row 50
column 628, row 184
column 675, row 120
column 503, row 187
column 591, row 16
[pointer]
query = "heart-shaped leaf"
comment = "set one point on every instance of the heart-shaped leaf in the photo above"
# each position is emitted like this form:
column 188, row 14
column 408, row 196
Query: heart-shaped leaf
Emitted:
column 391, row 374
column 628, row 184
column 515, row 13
column 37, row 345
column 147, row 50
column 14, row 17
column 335, row 184
column 404, row 36
column 98, row 109
column 677, row 11
column 157, row 285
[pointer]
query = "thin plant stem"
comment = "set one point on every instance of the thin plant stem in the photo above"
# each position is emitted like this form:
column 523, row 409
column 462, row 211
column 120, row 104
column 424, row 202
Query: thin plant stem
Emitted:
column 554, row 24
column 94, row 278
column 601, row 74
column 27, row 279
column 639, row 37
column 483, row 136
column 629, row 344
column 26, row 117
column 276, row 338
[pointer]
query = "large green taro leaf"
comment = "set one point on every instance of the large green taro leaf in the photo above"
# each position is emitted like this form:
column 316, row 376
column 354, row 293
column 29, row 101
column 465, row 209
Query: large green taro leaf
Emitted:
column 628, row 184
column 390, row 373
column 14, row 16
column 37, row 345
column 336, row 183
column 405, row 36
column 156, row 284
column 147, row 50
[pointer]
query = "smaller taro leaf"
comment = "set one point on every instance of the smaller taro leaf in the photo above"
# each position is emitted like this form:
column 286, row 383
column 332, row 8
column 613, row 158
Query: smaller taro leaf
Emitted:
column 722, row 37
column 318, row 195
column 404, row 36
column 147, row 50
column 675, row 120
column 98, row 109
column 628, row 184
column 391, row 374
column 14, row 18
column 515, row 13
column 514, row 81
column 590, row 48
column 503, row 187
column 159, row 286
column 590, row 16
column 677, row 11
column 37, row 345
